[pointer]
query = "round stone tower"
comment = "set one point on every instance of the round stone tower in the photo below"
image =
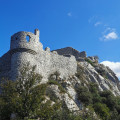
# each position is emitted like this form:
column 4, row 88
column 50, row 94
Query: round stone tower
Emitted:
column 25, row 46
column 26, row 40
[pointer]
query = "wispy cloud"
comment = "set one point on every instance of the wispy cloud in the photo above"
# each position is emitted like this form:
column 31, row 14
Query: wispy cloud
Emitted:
column 97, row 24
column 115, row 66
column 92, row 19
column 109, row 34
column 95, row 21
column 69, row 14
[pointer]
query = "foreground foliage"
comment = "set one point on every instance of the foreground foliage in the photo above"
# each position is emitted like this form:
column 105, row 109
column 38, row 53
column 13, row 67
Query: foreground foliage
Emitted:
column 26, row 99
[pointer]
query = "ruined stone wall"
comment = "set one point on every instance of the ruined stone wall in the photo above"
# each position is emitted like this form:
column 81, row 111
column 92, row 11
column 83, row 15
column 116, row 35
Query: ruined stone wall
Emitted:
column 71, row 51
column 46, row 62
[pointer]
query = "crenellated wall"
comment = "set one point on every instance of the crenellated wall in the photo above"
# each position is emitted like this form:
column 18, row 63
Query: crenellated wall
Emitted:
column 23, row 50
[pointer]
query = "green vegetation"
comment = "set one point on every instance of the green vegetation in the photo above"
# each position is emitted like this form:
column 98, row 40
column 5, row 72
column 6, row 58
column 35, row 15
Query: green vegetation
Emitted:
column 24, row 98
column 102, row 110
column 105, row 104
column 84, row 95
column 81, row 74
column 89, row 61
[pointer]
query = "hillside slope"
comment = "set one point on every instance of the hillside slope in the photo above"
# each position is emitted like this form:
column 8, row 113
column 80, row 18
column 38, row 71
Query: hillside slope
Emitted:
column 88, row 70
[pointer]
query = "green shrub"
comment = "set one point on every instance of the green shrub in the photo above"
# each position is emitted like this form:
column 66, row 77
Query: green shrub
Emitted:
column 80, row 72
column 93, row 87
column 84, row 95
column 89, row 61
column 109, row 99
column 102, row 110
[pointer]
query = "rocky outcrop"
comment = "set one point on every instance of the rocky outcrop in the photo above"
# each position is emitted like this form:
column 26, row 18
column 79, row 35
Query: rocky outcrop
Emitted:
column 103, row 76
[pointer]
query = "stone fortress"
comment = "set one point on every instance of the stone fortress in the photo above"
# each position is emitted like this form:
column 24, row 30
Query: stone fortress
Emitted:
column 23, row 51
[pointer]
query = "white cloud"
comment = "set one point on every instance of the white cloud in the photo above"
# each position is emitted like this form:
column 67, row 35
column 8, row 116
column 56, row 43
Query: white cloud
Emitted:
column 109, row 34
column 115, row 66
column 69, row 14
column 97, row 24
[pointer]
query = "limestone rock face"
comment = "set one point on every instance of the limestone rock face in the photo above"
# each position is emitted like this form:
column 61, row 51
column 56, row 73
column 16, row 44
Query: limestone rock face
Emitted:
column 70, row 102
column 90, row 71
column 102, row 75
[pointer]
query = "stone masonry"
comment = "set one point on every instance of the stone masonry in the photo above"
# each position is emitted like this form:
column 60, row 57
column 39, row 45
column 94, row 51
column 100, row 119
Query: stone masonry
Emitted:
column 23, row 51
column 71, row 51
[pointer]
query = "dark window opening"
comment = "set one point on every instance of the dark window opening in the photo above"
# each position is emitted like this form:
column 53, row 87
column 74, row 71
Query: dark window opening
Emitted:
column 16, row 38
column 28, row 38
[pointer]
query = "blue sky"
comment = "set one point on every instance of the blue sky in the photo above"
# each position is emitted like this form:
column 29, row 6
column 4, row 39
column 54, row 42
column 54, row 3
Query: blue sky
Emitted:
column 86, row 25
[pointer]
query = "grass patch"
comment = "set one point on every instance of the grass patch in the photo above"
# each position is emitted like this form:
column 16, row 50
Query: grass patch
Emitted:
column 89, row 61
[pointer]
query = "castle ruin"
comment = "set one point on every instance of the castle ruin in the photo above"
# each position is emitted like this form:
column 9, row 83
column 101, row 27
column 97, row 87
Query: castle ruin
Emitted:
column 23, row 50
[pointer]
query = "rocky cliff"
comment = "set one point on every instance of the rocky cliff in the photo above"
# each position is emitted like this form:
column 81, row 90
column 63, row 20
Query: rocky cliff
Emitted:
column 88, row 70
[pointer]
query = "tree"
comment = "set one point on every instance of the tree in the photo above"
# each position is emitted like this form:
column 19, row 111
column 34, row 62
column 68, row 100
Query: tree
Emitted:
column 26, row 97
column 22, row 96
column 7, row 94
column 102, row 110
column 84, row 95
column 109, row 99
column 93, row 88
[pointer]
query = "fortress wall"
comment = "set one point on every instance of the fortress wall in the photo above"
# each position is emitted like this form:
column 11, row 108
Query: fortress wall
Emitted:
column 18, row 60
column 65, row 65
column 71, row 51
column 46, row 62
